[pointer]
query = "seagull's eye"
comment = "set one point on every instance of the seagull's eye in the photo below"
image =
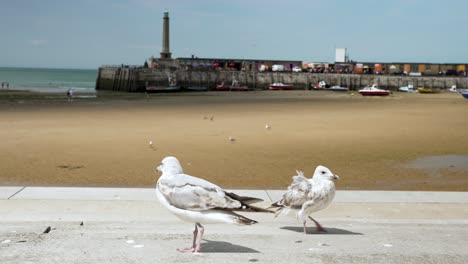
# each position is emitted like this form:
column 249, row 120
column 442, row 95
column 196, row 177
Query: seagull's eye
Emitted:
column 323, row 172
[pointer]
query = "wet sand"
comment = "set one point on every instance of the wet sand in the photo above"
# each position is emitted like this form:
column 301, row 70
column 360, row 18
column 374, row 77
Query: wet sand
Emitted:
column 104, row 141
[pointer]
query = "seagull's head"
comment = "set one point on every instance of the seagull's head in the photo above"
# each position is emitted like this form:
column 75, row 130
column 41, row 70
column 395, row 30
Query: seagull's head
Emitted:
column 323, row 172
column 170, row 165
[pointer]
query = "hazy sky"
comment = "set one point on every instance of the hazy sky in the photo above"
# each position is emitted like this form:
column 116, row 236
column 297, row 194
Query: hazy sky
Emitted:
column 91, row 33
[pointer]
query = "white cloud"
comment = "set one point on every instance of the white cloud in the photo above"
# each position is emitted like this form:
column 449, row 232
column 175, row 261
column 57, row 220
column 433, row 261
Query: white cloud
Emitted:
column 38, row 42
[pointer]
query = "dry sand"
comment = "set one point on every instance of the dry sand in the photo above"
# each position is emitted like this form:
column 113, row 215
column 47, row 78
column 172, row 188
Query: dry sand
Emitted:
column 104, row 141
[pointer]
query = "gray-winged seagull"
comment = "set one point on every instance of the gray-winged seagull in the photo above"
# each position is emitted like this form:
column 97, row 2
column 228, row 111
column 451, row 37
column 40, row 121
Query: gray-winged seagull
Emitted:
column 306, row 196
column 198, row 201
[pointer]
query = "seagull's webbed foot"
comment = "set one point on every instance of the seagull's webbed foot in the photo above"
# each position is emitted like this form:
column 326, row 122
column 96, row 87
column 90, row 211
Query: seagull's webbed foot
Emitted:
column 196, row 243
column 319, row 229
column 201, row 230
column 186, row 250
column 194, row 247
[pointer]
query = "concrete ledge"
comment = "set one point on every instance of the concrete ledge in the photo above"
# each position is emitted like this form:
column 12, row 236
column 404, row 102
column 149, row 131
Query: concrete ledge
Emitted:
column 401, row 197
column 147, row 194
column 6, row 192
column 129, row 225
column 84, row 193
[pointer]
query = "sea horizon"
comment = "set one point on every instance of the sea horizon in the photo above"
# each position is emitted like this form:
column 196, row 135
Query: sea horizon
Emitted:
column 48, row 80
column 48, row 68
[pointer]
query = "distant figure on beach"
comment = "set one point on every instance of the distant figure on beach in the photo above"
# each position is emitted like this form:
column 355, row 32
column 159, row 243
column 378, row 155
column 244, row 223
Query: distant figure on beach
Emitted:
column 5, row 85
column 70, row 94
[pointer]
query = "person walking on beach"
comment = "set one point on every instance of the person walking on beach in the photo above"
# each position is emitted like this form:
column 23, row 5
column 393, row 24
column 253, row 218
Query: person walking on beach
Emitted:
column 70, row 95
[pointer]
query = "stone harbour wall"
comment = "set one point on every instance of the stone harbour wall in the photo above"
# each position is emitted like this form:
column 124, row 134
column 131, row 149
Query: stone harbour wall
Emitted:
column 133, row 79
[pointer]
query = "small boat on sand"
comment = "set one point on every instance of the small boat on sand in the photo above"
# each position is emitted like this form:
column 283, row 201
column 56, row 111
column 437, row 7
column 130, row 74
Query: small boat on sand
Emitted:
column 453, row 89
column 197, row 88
column 235, row 86
column 173, row 86
column 373, row 90
column 464, row 93
column 169, row 88
column 338, row 88
column 428, row 90
column 322, row 85
column 280, row 86
column 407, row 89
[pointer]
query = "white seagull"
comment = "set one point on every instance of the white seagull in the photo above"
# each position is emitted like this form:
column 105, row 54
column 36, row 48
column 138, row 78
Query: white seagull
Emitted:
column 306, row 196
column 198, row 201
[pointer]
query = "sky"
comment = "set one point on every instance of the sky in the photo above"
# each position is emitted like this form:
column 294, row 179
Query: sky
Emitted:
column 86, row 34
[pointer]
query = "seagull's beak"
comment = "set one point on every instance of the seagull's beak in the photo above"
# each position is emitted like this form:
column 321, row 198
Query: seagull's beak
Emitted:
column 158, row 168
column 336, row 177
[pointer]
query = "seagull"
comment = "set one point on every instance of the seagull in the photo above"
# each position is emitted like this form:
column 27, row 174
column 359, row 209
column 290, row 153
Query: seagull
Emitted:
column 198, row 201
column 306, row 196
column 267, row 126
column 231, row 139
column 151, row 143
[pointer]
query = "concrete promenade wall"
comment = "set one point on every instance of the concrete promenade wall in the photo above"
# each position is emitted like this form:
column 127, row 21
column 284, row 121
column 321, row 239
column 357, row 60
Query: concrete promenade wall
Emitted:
column 132, row 79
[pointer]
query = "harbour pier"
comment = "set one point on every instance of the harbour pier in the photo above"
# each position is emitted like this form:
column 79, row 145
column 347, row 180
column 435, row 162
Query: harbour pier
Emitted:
column 135, row 79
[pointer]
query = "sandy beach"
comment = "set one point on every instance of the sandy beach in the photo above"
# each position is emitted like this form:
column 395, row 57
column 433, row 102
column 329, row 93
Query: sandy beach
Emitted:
column 399, row 142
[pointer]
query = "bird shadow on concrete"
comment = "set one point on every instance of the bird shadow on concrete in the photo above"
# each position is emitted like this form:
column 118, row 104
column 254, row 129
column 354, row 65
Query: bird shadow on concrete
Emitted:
column 312, row 231
column 224, row 247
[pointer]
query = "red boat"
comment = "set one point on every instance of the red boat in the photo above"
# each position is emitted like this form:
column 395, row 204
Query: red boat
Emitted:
column 280, row 86
column 373, row 90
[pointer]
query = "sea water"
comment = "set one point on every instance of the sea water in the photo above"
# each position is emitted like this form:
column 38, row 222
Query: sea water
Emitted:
column 49, row 80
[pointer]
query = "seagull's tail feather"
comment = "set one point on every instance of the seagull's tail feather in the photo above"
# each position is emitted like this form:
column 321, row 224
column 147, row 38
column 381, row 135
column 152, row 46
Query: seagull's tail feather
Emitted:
column 244, row 199
column 254, row 208
column 246, row 203
column 300, row 173
column 280, row 211
column 242, row 220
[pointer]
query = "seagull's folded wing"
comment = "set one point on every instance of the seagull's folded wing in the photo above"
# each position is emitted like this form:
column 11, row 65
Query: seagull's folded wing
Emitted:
column 297, row 192
column 191, row 193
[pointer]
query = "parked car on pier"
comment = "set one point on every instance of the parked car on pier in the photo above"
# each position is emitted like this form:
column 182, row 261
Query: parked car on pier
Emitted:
column 277, row 67
column 296, row 69
column 398, row 73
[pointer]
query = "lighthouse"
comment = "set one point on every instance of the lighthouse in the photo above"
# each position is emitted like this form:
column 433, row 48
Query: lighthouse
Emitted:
column 165, row 54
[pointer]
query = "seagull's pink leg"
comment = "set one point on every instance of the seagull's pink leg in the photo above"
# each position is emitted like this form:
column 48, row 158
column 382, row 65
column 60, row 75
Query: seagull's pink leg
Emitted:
column 319, row 227
column 201, row 230
column 192, row 249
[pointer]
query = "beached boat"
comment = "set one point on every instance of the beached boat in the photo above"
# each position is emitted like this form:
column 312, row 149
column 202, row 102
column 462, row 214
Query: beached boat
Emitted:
column 235, row 86
column 464, row 93
column 428, row 90
column 197, row 88
column 280, row 86
column 373, row 90
column 338, row 88
column 407, row 89
column 453, row 89
column 173, row 86
column 169, row 88
column 322, row 85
